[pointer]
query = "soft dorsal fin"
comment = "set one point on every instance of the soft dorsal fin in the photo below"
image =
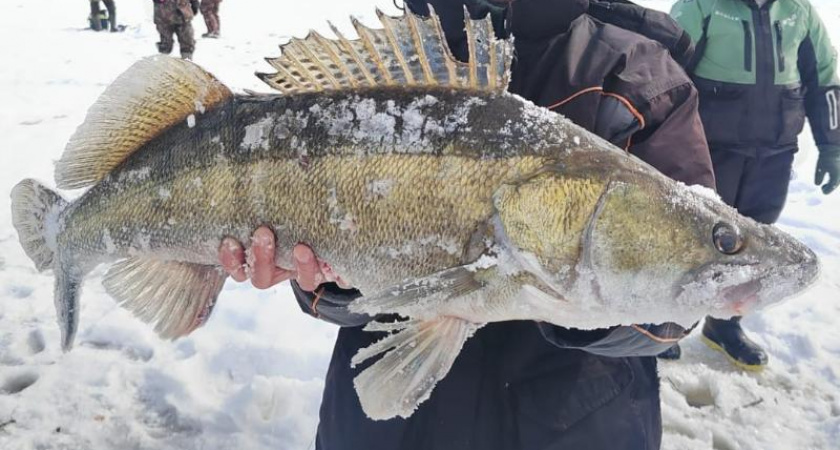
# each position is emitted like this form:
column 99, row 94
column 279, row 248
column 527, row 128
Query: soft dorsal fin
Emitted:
column 407, row 51
column 151, row 96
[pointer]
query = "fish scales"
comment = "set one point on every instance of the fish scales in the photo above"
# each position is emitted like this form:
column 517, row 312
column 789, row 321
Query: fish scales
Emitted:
column 178, row 201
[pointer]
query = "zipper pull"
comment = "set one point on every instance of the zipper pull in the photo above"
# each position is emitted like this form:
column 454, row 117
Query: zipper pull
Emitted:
column 780, row 53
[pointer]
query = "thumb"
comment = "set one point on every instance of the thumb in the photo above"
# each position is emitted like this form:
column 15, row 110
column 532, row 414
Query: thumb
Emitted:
column 819, row 176
column 833, row 182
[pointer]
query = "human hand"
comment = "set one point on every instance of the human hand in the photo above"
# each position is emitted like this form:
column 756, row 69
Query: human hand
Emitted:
column 828, row 164
column 258, row 263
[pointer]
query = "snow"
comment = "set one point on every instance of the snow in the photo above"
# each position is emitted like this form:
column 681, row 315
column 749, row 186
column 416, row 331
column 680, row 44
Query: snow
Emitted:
column 252, row 377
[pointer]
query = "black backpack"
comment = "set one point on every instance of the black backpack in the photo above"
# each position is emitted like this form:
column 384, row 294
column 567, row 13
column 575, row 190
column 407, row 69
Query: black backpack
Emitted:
column 652, row 24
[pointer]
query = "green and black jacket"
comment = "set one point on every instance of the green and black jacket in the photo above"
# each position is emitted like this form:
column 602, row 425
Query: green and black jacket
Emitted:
column 760, row 72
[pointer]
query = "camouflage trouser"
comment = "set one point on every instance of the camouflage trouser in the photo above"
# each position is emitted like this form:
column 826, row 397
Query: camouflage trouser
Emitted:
column 186, row 40
column 210, row 11
column 170, row 20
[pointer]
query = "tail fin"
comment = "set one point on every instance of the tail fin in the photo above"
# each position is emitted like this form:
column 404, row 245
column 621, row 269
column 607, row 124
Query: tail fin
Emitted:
column 35, row 213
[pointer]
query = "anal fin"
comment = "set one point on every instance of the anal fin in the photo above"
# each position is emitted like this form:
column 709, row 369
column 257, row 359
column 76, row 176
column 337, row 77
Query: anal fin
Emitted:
column 176, row 297
column 420, row 355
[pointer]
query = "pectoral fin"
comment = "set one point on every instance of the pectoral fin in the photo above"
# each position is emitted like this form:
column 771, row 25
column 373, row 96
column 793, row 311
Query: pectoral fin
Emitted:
column 421, row 293
column 420, row 355
column 176, row 297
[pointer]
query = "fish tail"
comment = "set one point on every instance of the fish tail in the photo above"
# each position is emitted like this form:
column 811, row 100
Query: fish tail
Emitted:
column 420, row 355
column 36, row 214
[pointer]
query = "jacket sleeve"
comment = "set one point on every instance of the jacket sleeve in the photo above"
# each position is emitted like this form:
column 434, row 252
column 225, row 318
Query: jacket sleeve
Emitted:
column 329, row 303
column 625, row 341
column 673, row 140
column 689, row 15
column 818, row 69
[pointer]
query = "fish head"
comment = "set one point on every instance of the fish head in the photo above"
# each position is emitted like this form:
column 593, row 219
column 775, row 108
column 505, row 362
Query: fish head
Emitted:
column 680, row 252
column 637, row 242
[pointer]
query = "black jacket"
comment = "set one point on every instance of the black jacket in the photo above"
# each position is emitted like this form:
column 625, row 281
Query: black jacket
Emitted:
column 524, row 385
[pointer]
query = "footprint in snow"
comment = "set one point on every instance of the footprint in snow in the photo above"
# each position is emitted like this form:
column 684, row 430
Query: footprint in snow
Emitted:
column 19, row 291
column 35, row 342
column 698, row 393
column 135, row 353
column 18, row 382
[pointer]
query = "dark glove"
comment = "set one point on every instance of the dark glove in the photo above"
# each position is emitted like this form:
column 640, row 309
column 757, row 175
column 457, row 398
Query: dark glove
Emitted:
column 194, row 5
column 828, row 164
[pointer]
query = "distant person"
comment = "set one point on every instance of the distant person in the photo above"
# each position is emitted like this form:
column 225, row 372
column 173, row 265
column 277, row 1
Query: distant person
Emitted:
column 761, row 67
column 96, row 16
column 174, row 17
column 210, row 11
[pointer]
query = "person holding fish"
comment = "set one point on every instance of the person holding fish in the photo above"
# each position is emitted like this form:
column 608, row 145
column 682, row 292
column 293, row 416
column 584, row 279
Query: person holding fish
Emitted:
column 761, row 67
column 524, row 385
column 510, row 257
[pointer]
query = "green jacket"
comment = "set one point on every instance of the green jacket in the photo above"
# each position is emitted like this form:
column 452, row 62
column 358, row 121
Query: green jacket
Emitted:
column 760, row 71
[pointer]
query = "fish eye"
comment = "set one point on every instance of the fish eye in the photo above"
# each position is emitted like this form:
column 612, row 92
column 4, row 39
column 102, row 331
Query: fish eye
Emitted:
column 727, row 238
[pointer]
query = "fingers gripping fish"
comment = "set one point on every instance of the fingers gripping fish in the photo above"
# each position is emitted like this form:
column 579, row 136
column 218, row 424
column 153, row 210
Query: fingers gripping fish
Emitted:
column 441, row 197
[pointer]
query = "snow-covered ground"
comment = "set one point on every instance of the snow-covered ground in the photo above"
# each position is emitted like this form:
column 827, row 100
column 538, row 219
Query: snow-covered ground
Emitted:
column 252, row 377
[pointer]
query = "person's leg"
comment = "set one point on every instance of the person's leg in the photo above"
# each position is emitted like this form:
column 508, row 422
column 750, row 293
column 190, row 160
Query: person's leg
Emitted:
column 186, row 40
column 94, row 16
column 761, row 195
column 166, row 40
column 216, row 21
column 765, row 187
column 207, row 13
column 112, row 14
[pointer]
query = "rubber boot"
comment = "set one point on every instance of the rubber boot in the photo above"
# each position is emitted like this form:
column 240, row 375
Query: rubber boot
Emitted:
column 727, row 337
column 672, row 354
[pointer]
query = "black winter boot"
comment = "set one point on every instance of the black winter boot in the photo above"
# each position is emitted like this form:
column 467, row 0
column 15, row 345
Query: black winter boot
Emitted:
column 728, row 337
column 672, row 354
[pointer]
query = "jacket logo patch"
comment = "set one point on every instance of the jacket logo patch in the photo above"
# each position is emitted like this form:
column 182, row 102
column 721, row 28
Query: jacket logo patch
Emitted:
column 727, row 16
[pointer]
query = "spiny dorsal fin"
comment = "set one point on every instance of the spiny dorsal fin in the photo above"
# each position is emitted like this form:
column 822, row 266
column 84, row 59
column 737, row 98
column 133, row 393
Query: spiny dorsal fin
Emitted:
column 151, row 96
column 407, row 51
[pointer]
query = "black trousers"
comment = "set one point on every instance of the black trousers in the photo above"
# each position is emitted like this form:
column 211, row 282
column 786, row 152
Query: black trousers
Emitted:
column 509, row 389
column 112, row 13
column 756, row 186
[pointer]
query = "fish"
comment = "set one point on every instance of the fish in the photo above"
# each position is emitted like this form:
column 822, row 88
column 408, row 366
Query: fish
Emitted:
column 445, row 200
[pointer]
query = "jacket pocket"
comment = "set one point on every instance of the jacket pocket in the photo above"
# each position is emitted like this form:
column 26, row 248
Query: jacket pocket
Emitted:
column 791, row 114
column 548, row 405
column 723, row 109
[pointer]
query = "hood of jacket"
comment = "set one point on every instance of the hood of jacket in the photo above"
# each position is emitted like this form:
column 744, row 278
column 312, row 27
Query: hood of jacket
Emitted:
column 539, row 19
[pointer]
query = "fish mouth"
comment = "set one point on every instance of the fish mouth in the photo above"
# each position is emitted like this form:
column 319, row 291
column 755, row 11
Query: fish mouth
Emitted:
column 741, row 297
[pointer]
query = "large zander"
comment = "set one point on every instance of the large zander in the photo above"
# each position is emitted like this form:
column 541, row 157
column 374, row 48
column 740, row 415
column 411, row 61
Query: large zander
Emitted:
column 444, row 199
